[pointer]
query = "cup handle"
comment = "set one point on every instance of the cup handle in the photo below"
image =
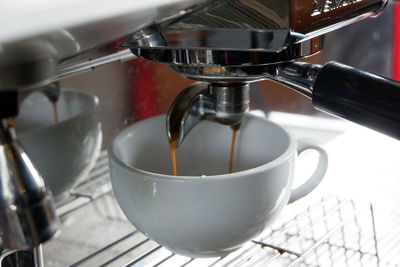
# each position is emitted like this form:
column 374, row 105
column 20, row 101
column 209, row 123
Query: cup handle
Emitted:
column 316, row 178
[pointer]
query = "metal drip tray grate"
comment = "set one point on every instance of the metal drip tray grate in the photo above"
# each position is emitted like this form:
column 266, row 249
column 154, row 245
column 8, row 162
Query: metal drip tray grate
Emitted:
column 329, row 232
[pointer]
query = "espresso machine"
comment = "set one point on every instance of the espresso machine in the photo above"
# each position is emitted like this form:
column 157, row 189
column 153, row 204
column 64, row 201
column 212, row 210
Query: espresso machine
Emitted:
column 224, row 45
column 229, row 45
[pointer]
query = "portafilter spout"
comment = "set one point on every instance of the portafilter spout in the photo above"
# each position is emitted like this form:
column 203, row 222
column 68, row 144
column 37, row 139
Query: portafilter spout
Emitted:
column 224, row 103
column 27, row 211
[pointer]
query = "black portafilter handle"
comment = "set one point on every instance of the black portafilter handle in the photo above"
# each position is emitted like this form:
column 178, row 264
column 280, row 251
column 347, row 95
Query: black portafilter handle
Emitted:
column 358, row 96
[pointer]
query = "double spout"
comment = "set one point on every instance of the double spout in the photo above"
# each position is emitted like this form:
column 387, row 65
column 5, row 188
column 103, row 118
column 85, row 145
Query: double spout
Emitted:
column 220, row 102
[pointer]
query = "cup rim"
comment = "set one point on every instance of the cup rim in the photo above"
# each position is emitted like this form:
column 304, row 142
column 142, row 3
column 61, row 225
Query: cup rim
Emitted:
column 89, row 109
column 291, row 148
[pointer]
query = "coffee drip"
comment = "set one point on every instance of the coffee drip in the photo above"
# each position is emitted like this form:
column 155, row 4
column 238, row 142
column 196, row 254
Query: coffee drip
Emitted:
column 52, row 93
column 232, row 150
column 173, row 146
column 55, row 111
column 221, row 103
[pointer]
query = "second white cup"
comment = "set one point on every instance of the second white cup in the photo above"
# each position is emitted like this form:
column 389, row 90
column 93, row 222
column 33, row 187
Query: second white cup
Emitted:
column 63, row 152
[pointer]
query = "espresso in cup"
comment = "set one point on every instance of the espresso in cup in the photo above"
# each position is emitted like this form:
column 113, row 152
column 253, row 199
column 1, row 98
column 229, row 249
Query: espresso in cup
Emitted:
column 205, row 211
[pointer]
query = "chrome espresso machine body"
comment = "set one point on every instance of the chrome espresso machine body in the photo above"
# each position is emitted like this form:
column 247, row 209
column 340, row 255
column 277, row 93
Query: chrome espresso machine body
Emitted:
column 223, row 44
column 230, row 44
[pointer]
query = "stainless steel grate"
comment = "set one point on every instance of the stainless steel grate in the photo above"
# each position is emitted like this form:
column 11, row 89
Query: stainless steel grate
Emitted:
column 329, row 232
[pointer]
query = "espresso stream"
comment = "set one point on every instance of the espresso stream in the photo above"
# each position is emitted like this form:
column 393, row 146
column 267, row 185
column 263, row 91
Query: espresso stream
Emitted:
column 55, row 111
column 232, row 154
column 173, row 145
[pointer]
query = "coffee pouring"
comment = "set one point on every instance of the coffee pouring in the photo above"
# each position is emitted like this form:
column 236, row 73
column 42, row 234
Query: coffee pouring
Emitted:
column 225, row 47
column 206, row 211
column 223, row 44
column 222, row 103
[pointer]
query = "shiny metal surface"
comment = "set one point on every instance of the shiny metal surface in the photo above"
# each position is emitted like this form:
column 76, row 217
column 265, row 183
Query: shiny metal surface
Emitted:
column 74, row 27
column 219, row 57
column 222, row 103
column 28, row 213
column 27, row 63
column 264, row 25
column 74, row 69
column 199, row 32
column 299, row 76
column 59, row 32
column 249, row 32
column 243, row 41
column 230, row 85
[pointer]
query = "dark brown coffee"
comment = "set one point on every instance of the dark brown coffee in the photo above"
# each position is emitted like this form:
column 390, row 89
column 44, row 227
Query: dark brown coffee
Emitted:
column 55, row 111
column 173, row 145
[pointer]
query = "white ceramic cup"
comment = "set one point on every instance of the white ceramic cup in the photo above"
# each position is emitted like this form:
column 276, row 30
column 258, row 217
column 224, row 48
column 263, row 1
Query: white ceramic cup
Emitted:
column 65, row 152
column 207, row 216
